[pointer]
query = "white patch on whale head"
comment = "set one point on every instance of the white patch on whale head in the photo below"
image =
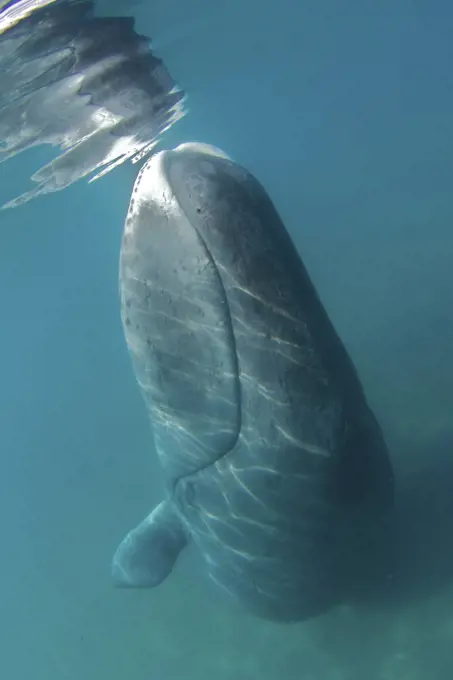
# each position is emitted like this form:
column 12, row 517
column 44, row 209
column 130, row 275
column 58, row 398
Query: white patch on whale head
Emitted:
column 200, row 147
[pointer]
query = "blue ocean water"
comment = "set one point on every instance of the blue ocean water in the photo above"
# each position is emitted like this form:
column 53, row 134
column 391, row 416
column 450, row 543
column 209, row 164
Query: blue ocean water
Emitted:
column 345, row 113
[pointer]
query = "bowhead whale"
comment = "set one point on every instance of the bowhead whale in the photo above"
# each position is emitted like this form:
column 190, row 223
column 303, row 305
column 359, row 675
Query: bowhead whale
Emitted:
column 275, row 466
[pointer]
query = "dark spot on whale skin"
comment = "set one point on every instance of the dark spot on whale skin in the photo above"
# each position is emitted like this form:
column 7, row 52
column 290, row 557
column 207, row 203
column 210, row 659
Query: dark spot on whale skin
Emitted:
column 127, row 321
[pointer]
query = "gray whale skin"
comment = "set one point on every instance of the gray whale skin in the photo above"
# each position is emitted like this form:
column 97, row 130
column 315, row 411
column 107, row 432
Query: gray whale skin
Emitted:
column 275, row 467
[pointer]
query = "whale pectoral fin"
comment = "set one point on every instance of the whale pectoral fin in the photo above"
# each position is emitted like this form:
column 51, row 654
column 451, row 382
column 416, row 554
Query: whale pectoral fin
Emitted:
column 148, row 553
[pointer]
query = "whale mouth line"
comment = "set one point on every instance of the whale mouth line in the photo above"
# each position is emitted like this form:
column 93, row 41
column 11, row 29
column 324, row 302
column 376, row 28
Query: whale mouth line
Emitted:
column 230, row 330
